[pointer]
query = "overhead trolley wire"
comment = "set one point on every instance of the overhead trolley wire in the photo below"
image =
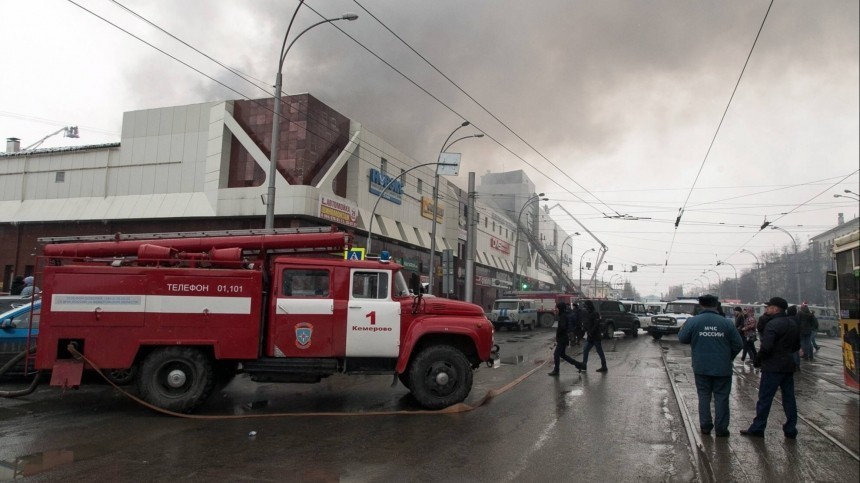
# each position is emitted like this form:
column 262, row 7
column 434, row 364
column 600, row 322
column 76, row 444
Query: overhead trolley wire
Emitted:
column 713, row 140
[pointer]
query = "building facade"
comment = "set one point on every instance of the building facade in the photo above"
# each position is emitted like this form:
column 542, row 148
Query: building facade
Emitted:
column 206, row 166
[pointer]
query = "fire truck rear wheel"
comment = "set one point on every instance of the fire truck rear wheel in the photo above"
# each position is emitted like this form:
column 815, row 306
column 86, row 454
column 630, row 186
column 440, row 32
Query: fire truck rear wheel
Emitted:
column 176, row 378
column 546, row 320
column 440, row 376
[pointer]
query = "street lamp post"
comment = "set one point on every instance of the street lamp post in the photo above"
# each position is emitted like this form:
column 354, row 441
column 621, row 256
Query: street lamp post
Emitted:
column 382, row 192
column 536, row 197
column 445, row 145
column 736, row 276
column 704, row 290
column 719, row 281
column 849, row 197
column 613, row 278
column 705, row 275
column 580, row 266
column 561, row 250
column 757, row 274
column 273, row 155
column 796, row 260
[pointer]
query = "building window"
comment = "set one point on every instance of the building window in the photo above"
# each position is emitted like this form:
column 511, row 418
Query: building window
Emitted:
column 420, row 186
column 383, row 165
column 60, row 177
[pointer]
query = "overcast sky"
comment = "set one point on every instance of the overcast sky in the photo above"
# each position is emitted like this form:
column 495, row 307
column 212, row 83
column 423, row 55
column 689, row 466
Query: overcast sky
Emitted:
column 611, row 107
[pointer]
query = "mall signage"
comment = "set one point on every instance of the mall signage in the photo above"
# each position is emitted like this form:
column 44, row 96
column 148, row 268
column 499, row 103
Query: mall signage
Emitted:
column 500, row 245
column 378, row 182
column 338, row 210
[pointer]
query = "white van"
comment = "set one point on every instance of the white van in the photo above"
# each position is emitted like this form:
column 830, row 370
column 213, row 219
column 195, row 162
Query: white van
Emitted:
column 514, row 313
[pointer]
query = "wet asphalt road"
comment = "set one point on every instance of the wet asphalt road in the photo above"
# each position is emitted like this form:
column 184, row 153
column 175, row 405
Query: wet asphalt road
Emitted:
column 622, row 426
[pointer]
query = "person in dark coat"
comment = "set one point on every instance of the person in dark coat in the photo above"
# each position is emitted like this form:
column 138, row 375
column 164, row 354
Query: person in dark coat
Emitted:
column 748, row 333
column 740, row 320
column 590, row 320
column 562, row 338
column 808, row 326
column 780, row 341
column 714, row 342
column 17, row 286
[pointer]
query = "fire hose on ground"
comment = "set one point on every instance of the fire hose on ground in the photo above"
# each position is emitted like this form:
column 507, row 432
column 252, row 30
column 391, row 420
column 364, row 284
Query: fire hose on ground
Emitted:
column 9, row 365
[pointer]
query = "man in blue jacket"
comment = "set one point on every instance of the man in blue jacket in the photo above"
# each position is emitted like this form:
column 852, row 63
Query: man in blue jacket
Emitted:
column 715, row 342
column 781, row 340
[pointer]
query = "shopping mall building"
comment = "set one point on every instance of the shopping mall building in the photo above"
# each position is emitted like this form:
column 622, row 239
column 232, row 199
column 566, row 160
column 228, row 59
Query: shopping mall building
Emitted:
column 203, row 167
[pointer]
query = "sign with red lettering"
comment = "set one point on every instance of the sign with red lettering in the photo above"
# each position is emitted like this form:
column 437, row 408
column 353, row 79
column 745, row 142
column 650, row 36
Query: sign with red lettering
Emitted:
column 500, row 245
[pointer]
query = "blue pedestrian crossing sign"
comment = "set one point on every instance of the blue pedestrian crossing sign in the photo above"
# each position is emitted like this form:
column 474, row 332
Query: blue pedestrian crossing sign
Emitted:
column 354, row 254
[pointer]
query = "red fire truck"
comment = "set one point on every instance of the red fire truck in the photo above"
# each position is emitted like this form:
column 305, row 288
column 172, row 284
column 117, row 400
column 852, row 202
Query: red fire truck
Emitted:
column 184, row 313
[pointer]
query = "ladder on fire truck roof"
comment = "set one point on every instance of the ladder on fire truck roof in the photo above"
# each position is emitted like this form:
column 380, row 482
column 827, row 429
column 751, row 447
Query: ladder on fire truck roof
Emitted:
column 186, row 234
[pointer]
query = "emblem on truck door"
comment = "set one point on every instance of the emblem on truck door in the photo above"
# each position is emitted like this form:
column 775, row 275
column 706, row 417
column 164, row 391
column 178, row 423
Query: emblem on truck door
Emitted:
column 304, row 332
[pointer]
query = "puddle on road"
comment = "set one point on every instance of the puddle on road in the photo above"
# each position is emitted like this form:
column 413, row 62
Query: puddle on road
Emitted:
column 37, row 463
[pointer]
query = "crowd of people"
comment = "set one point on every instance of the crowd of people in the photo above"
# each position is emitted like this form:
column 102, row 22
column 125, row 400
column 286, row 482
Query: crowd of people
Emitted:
column 785, row 335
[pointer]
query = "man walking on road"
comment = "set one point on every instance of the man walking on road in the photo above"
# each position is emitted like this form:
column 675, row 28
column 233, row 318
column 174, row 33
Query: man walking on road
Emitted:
column 562, row 338
column 590, row 320
column 780, row 341
column 714, row 342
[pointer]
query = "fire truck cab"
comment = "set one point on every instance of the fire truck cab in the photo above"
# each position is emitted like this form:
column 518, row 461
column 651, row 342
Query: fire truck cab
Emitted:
column 184, row 315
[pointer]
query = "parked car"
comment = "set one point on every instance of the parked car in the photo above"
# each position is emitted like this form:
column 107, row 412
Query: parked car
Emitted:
column 8, row 302
column 16, row 327
column 614, row 316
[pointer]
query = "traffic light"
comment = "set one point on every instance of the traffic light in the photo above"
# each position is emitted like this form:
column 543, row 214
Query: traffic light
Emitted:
column 525, row 286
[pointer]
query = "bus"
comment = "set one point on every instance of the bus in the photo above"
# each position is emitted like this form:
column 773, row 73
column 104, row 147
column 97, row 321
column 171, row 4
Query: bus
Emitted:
column 846, row 281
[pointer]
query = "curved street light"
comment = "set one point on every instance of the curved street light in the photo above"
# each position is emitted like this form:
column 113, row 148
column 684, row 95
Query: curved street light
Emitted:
column 757, row 274
column 537, row 197
column 719, row 280
column 273, row 155
column 849, row 197
column 736, row 276
column 705, row 275
column 561, row 250
column 613, row 278
column 580, row 266
column 382, row 192
column 796, row 259
column 445, row 145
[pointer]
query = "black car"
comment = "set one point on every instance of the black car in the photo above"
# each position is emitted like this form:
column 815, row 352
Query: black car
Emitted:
column 614, row 316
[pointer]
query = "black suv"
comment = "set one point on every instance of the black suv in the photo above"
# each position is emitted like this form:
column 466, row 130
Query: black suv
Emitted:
column 614, row 316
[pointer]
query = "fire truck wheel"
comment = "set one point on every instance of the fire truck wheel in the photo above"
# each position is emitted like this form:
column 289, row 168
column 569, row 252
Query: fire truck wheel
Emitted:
column 176, row 378
column 440, row 376
column 546, row 320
